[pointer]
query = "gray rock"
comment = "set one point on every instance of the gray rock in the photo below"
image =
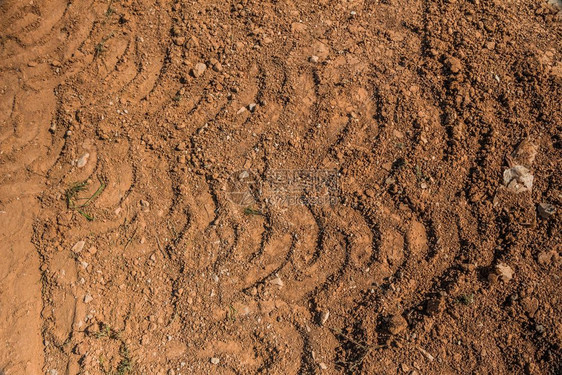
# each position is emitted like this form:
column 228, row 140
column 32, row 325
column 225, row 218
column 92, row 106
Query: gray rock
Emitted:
column 546, row 210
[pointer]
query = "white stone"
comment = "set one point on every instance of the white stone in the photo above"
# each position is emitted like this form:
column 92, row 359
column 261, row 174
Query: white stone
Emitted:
column 518, row 179
column 81, row 162
column 78, row 246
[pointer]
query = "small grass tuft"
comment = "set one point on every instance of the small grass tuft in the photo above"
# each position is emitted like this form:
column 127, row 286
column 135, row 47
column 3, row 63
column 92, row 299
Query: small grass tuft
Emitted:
column 231, row 313
column 251, row 211
column 100, row 47
column 110, row 11
column 71, row 195
column 467, row 299
column 107, row 331
column 125, row 366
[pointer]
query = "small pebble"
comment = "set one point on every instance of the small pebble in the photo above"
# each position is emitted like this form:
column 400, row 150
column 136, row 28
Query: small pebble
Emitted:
column 218, row 67
column 314, row 59
column 427, row 354
column 277, row 281
column 215, row 361
column 504, row 272
column 518, row 179
column 78, row 246
column 198, row 70
column 539, row 328
column 547, row 257
column 324, row 315
column 546, row 210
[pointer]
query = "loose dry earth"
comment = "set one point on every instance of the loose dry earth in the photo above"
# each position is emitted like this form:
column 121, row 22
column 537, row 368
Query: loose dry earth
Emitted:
column 125, row 124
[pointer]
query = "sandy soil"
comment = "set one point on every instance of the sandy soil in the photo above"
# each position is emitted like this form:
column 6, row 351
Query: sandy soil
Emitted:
column 164, row 169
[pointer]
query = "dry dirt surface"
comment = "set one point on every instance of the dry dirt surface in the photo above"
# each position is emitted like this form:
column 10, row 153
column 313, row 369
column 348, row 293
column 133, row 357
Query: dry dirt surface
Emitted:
column 164, row 164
